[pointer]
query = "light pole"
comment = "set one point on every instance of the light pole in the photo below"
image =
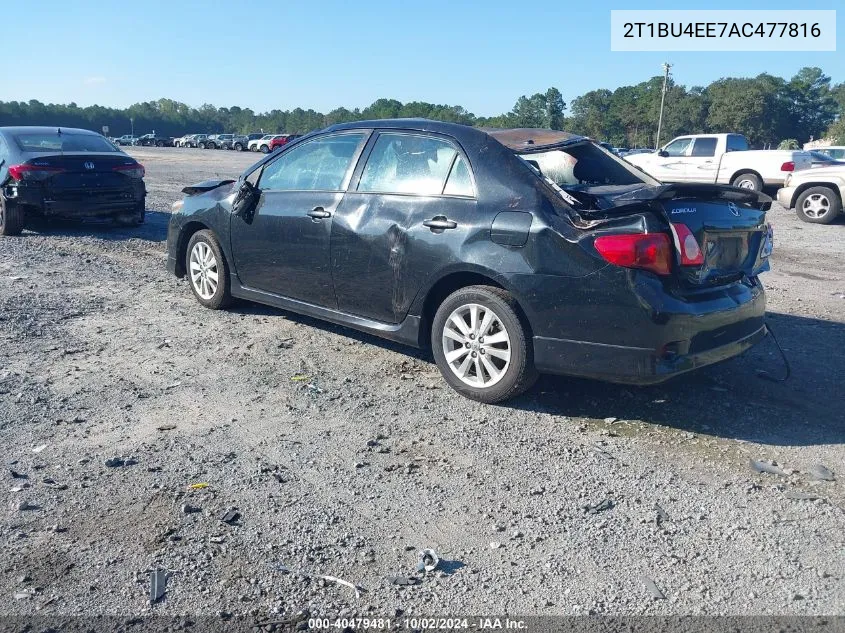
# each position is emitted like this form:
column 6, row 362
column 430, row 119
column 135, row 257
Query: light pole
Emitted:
column 132, row 123
column 666, row 67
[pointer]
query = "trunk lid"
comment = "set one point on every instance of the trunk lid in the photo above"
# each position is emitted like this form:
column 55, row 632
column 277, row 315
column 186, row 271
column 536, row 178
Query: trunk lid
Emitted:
column 85, row 171
column 720, row 233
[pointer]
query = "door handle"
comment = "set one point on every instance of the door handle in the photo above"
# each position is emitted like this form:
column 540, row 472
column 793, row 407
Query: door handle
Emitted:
column 319, row 213
column 440, row 223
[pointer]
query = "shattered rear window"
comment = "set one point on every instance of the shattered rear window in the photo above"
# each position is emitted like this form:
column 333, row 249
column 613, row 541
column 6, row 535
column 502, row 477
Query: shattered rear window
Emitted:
column 583, row 164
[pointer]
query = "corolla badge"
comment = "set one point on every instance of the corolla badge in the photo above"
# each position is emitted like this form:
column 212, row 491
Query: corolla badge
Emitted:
column 88, row 165
column 684, row 210
column 733, row 209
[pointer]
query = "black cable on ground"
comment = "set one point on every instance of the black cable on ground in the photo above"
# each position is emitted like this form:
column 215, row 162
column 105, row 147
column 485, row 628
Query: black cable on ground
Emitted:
column 762, row 373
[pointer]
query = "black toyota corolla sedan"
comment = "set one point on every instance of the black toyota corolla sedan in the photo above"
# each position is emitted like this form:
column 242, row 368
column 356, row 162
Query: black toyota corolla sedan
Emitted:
column 50, row 172
column 509, row 252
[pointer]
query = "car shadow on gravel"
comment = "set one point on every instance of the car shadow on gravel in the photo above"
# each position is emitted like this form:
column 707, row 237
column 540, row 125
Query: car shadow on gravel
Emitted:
column 728, row 400
column 154, row 228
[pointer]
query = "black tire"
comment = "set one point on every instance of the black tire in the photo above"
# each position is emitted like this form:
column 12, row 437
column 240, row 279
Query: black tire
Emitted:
column 265, row 149
column 160, row 144
column 519, row 372
column 811, row 205
column 11, row 218
column 222, row 296
column 748, row 180
column 238, row 147
column 201, row 145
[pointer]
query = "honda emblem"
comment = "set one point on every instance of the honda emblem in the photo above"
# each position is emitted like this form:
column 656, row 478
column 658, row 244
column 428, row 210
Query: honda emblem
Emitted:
column 89, row 165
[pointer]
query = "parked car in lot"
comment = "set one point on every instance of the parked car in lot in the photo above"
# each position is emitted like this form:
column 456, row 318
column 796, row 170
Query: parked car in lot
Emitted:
column 198, row 140
column 281, row 140
column 815, row 194
column 126, row 139
column 183, row 141
column 720, row 158
column 263, row 144
column 227, row 141
column 153, row 140
column 239, row 143
column 509, row 252
column 51, row 172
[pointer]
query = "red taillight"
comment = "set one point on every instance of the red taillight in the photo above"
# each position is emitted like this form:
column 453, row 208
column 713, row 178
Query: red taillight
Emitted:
column 691, row 254
column 134, row 170
column 28, row 171
column 649, row 251
column 788, row 166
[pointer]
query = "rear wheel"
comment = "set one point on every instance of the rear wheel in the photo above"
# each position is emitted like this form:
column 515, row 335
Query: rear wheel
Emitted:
column 239, row 147
column 481, row 346
column 748, row 180
column 818, row 205
column 201, row 145
column 160, row 144
column 11, row 218
column 208, row 273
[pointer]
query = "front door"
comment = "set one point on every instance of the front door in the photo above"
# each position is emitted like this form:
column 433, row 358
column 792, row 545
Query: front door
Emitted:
column 672, row 167
column 283, row 247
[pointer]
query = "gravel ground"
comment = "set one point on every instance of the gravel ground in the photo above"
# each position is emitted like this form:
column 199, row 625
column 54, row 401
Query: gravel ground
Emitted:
column 348, row 473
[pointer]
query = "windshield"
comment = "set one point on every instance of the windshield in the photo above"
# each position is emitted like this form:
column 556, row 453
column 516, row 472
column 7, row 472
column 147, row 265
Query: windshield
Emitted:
column 64, row 142
column 585, row 165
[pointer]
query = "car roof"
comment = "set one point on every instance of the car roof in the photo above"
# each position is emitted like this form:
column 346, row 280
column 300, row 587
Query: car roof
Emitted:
column 516, row 139
column 44, row 129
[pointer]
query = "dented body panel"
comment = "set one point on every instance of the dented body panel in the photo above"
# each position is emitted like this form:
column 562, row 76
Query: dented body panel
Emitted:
column 375, row 261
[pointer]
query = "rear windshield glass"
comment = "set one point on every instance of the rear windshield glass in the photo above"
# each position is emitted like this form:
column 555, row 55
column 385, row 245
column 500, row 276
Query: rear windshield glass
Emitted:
column 64, row 142
column 584, row 164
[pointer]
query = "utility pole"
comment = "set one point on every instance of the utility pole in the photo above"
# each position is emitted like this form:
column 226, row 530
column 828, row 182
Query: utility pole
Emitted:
column 666, row 67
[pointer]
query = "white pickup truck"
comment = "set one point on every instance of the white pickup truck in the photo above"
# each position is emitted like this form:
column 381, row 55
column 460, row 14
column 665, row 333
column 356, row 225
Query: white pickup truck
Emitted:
column 720, row 158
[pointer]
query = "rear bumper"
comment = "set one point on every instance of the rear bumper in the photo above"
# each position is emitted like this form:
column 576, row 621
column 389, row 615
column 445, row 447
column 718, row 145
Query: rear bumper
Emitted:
column 630, row 365
column 643, row 334
column 78, row 203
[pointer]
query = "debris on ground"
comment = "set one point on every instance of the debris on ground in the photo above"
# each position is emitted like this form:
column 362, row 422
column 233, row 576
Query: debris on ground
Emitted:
column 820, row 472
column 230, row 516
column 610, row 420
column 601, row 506
column 217, row 540
column 662, row 515
column 158, row 582
column 767, row 467
column 345, row 583
column 23, row 506
column 495, row 545
column 16, row 475
column 653, row 589
column 187, row 508
column 38, row 449
column 285, row 343
column 404, row 581
column 52, row 483
column 427, row 560
column 300, row 377
column 198, row 486
column 166, row 427
column 118, row 462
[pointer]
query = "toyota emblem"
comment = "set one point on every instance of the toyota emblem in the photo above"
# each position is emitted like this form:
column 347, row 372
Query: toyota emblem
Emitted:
column 90, row 165
column 733, row 209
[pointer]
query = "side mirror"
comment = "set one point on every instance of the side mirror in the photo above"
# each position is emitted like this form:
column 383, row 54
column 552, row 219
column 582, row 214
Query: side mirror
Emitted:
column 663, row 153
column 245, row 201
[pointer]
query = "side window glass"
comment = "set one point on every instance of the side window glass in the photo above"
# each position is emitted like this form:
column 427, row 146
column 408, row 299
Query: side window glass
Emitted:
column 318, row 165
column 736, row 143
column 460, row 181
column 704, row 147
column 404, row 163
column 678, row 147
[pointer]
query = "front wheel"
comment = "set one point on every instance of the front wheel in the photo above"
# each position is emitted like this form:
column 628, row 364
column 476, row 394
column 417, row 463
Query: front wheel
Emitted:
column 265, row 149
column 208, row 272
column 481, row 346
column 818, row 205
column 748, row 180
column 11, row 218
column 239, row 147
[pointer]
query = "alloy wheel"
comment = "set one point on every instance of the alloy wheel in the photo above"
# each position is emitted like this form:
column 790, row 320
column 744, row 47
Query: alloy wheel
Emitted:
column 816, row 206
column 476, row 345
column 746, row 184
column 204, row 271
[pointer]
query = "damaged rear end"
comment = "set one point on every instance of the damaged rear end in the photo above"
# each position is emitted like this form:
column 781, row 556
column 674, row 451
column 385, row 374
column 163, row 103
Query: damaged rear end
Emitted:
column 689, row 255
column 676, row 285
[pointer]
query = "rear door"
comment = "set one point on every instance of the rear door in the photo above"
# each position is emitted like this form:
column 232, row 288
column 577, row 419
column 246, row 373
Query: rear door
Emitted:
column 411, row 207
column 701, row 164
column 283, row 248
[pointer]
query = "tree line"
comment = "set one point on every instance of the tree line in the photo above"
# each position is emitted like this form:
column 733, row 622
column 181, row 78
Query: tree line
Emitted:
column 767, row 109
